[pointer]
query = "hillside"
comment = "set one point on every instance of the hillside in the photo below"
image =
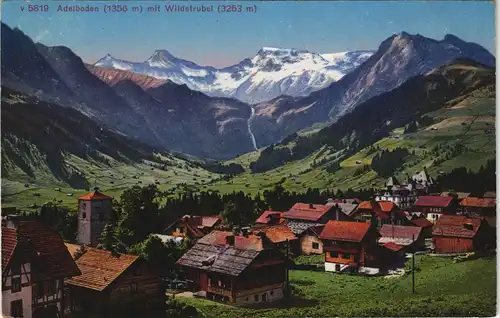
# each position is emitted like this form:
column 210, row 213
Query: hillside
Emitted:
column 453, row 109
column 59, row 148
column 398, row 59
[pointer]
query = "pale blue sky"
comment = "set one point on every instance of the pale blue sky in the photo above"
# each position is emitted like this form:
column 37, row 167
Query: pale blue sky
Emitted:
column 224, row 39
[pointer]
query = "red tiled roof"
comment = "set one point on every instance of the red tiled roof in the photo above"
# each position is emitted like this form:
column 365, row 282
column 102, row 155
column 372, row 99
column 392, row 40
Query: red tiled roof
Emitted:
column 52, row 257
column 278, row 233
column 455, row 226
column 9, row 242
column 380, row 208
column 251, row 242
column 479, row 202
column 433, row 201
column 210, row 221
column 400, row 231
column 344, row 231
column 265, row 217
column 100, row 268
column 387, row 206
column 308, row 212
column 392, row 246
column 422, row 222
column 367, row 205
column 95, row 195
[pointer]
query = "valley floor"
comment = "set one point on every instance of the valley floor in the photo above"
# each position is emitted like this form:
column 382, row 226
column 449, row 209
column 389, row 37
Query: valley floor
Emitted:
column 442, row 289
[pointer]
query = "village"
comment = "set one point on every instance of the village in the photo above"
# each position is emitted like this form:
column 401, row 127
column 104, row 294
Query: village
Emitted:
column 46, row 276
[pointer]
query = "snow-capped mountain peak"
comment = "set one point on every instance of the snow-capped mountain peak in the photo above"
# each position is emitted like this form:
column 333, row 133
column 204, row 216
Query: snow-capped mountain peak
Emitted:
column 270, row 73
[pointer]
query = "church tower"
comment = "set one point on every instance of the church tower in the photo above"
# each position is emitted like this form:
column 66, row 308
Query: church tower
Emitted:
column 94, row 210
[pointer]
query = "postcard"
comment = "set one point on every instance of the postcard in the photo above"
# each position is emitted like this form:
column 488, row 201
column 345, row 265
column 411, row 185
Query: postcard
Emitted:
column 248, row 159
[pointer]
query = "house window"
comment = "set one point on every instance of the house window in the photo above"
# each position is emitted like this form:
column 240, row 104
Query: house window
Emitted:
column 52, row 287
column 315, row 246
column 272, row 292
column 337, row 267
column 264, row 297
column 256, row 297
column 16, row 284
column 84, row 215
column 346, row 256
column 133, row 288
column 334, row 254
column 16, row 308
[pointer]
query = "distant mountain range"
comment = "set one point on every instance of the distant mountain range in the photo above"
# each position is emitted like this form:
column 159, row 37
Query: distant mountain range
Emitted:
column 271, row 73
column 398, row 58
column 158, row 111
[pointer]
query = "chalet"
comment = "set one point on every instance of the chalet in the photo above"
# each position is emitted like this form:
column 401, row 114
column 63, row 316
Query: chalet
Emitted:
column 435, row 206
column 113, row 283
column 310, row 243
column 279, row 235
column 241, row 269
column 270, row 218
column 35, row 263
column 410, row 238
column 193, row 227
column 352, row 247
column 425, row 224
column 302, row 216
column 460, row 234
column 379, row 213
column 94, row 211
column 474, row 206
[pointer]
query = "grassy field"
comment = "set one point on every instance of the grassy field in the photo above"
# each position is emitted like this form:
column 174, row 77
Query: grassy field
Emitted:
column 112, row 179
column 469, row 122
column 443, row 288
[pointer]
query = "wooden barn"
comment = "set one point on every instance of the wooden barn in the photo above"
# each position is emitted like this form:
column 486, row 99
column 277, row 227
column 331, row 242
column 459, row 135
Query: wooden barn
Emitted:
column 460, row 234
column 113, row 283
column 241, row 269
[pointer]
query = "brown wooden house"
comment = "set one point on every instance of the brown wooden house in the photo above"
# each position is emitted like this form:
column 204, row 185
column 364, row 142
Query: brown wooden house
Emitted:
column 460, row 234
column 242, row 269
column 434, row 206
column 379, row 213
column 193, row 227
column 425, row 224
column 479, row 206
column 270, row 218
column 410, row 238
column 35, row 263
column 353, row 247
column 113, row 283
column 279, row 235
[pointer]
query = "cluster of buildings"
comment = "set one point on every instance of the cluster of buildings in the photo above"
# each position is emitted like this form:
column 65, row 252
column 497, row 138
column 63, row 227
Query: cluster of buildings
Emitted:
column 43, row 276
column 367, row 237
